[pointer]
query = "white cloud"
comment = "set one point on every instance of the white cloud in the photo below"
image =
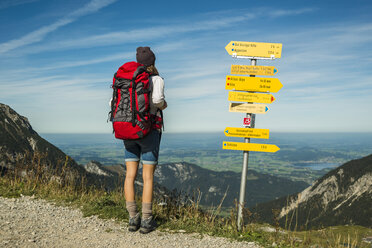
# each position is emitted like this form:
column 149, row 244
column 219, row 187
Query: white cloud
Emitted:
column 214, row 21
column 280, row 13
column 163, row 48
column 4, row 4
column 46, row 85
column 144, row 34
column 74, row 63
column 39, row 34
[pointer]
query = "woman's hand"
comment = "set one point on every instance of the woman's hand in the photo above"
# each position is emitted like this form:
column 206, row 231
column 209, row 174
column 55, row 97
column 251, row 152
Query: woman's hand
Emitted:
column 165, row 105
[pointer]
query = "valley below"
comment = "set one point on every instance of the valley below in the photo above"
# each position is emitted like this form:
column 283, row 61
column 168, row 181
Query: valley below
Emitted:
column 303, row 157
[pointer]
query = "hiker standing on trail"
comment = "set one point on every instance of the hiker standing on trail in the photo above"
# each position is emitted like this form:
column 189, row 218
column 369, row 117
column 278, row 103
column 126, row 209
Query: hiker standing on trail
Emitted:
column 136, row 112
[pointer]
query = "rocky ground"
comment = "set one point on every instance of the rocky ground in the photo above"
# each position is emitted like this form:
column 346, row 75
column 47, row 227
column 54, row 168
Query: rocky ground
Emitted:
column 28, row 222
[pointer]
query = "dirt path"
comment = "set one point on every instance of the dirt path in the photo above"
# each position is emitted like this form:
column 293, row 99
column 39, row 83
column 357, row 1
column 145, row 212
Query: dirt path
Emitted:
column 27, row 222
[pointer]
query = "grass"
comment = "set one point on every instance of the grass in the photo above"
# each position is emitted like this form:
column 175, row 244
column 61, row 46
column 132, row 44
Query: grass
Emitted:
column 337, row 236
column 173, row 215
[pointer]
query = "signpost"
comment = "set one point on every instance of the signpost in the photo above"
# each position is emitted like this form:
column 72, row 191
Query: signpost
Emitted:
column 253, row 70
column 250, row 147
column 253, row 51
column 253, row 84
column 235, row 96
column 248, row 108
column 247, row 132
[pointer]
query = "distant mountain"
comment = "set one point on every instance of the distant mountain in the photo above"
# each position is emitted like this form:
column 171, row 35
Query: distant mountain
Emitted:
column 342, row 196
column 116, row 174
column 188, row 178
column 21, row 149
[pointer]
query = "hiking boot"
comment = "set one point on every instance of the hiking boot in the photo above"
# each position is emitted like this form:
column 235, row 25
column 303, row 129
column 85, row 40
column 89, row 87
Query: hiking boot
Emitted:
column 148, row 225
column 134, row 223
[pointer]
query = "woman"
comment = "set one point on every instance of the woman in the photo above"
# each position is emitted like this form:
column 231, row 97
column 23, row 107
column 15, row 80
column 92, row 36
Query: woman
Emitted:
column 146, row 149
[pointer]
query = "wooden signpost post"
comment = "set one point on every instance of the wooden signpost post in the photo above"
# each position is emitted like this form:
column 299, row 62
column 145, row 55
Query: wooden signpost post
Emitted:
column 253, row 51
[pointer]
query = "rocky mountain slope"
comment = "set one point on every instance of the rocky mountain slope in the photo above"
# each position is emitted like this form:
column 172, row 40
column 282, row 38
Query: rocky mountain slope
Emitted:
column 22, row 150
column 18, row 139
column 342, row 196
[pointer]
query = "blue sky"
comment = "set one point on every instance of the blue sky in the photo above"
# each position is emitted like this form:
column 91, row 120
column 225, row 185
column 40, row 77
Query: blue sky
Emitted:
column 57, row 59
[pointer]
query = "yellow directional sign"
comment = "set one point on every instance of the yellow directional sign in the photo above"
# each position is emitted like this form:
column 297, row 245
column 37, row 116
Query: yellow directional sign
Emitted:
column 249, row 147
column 254, row 49
column 248, row 108
column 247, row 132
column 253, row 70
column 236, row 96
column 253, row 84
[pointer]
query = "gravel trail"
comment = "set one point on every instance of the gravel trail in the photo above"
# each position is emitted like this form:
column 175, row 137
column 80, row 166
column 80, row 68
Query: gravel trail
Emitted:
column 28, row 222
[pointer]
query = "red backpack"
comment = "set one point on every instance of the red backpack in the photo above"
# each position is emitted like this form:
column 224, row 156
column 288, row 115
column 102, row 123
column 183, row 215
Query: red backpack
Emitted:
column 130, row 105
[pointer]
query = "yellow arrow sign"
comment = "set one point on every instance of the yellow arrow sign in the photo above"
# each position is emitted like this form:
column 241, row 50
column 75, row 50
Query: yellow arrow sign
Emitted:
column 248, row 108
column 250, row 97
column 253, row 84
column 254, row 49
column 247, row 132
column 253, row 70
column 249, row 147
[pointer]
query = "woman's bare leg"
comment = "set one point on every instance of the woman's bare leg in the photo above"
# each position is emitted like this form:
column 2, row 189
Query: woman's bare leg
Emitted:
column 148, row 182
column 130, row 177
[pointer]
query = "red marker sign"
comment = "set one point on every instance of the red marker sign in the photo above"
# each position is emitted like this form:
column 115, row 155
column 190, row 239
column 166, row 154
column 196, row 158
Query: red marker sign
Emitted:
column 247, row 121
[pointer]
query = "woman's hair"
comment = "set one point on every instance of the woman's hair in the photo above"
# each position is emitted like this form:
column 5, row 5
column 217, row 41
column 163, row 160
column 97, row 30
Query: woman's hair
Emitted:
column 152, row 70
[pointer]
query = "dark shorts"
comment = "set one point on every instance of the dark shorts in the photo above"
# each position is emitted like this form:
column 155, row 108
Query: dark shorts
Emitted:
column 146, row 148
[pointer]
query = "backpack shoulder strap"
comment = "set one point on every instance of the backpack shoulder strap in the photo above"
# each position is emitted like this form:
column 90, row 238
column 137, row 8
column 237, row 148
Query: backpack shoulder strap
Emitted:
column 138, row 71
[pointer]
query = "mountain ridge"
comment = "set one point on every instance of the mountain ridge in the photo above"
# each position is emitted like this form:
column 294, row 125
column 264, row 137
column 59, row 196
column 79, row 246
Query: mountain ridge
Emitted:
column 342, row 196
column 213, row 185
